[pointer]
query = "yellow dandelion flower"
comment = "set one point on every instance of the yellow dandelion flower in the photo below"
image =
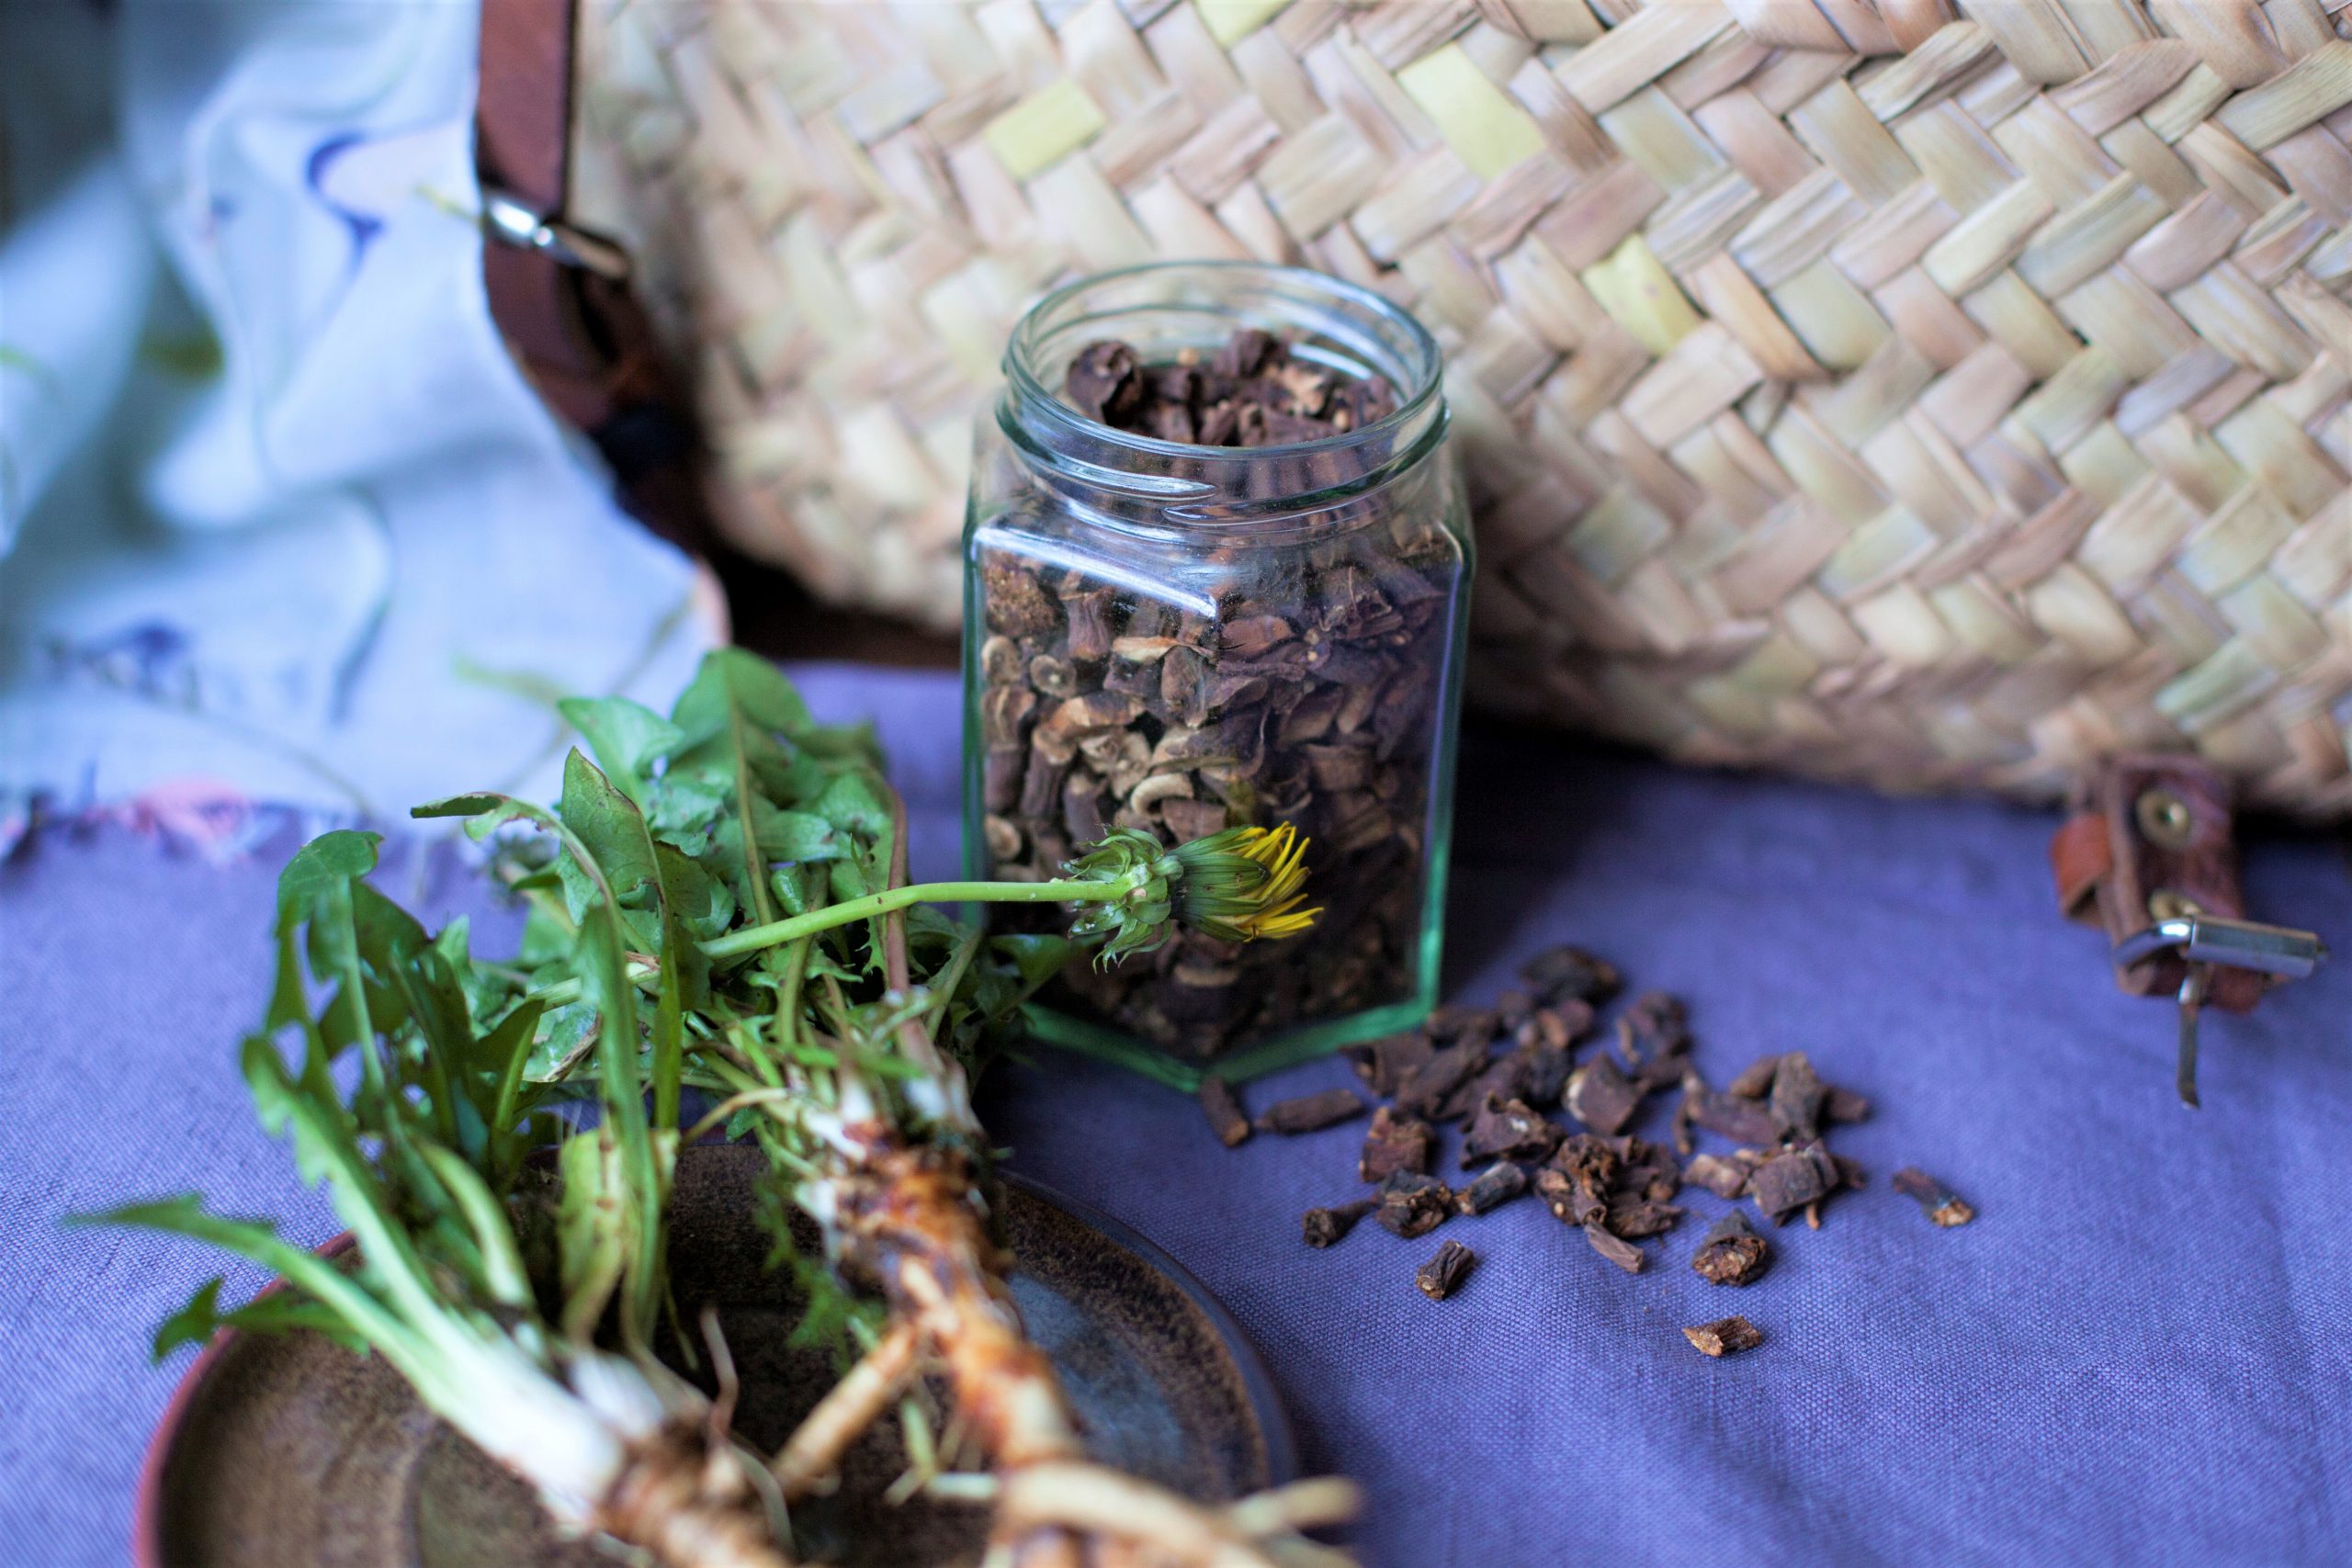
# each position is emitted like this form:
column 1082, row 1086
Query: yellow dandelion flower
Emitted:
column 1244, row 884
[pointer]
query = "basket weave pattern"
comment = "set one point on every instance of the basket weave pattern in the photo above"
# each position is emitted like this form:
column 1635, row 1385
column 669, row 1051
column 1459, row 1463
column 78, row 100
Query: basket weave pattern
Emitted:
column 1928, row 394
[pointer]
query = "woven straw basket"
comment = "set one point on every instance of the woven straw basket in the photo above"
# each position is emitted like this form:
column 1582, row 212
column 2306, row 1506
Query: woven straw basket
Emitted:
column 1927, row 394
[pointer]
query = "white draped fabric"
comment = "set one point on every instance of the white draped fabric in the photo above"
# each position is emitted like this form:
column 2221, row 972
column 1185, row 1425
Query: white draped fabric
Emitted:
column 279, row 519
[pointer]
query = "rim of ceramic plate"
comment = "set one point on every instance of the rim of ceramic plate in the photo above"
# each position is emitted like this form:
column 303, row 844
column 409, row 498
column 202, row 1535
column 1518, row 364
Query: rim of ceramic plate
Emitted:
column 147, row 1508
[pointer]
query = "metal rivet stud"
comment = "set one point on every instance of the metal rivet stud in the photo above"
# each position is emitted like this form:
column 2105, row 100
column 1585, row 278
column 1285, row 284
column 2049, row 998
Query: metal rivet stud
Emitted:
column 2164, row 819
column 2165, row 904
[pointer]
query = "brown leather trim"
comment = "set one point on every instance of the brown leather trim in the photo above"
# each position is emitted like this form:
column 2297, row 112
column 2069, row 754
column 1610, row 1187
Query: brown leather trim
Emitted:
column 2117, row 858
column 524, row 114
column 2080, row 860
column 582, row 340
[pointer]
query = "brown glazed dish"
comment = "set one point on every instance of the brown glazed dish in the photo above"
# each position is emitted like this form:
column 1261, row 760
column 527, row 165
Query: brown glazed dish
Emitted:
column 288, row 1452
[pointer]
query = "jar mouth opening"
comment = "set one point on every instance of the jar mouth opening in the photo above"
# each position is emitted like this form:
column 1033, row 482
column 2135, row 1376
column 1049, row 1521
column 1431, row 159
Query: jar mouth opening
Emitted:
column 1161, row 307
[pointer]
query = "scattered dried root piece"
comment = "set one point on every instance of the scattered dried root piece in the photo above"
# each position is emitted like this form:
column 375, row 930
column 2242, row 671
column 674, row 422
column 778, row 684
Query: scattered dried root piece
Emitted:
column 1569, row 972
column 1724, row 1175
column 1461, row 1021
column 1793, row 1178
column 1601, row 1097
column 1224, row 1112
column 1731, row 1253
column 1496, row 1186
column 1634, row 1217
column 1510, row 1130
column 1796, row 1098
column 1618, row 1250
column 1737, row 1117
column 1844, row 1105
column 1428, row 1087
column 1411, row 1204
column 1385, row 1064
column 1443, row 1274
column 1394, row 1143
column 1326, row 1228
column 1724, row 1337
column 1312, row 1112
column 1938, row 1201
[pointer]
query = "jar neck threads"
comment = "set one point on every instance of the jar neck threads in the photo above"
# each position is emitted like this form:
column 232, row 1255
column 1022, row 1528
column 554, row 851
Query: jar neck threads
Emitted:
column 1133, row 481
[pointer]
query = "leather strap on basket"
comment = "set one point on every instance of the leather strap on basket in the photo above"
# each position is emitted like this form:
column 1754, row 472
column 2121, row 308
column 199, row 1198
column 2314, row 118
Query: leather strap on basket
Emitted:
column 2150, row 838
column 523, row 116
column 581, row 338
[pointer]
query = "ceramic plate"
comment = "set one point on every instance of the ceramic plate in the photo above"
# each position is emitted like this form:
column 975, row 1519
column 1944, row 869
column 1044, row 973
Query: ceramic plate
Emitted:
column 286, row 1450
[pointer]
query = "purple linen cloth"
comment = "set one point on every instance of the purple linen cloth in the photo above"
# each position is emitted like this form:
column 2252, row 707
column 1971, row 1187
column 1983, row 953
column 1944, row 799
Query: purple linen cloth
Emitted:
column 2136, row 1353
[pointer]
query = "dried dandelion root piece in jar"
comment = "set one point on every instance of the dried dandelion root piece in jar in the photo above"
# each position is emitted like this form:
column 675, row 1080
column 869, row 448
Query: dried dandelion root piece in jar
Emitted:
column 1252, row 392
column 1171, row 730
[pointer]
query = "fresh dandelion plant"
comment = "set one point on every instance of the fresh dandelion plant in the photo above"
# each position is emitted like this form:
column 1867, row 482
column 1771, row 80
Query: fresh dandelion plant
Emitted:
column 424, row 1160
column 847, row 1034
column 720, row 906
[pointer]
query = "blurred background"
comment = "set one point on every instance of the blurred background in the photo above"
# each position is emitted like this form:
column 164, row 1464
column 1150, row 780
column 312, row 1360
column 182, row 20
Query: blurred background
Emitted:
column 1771, row 466
column 281, row 521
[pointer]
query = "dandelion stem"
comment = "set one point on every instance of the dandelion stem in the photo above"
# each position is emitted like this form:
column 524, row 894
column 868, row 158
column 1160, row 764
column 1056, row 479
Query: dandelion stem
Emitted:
column 1073, row 890
column 776, row 933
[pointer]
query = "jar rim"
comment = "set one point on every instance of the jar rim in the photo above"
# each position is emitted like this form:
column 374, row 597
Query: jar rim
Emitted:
column 1414, row 403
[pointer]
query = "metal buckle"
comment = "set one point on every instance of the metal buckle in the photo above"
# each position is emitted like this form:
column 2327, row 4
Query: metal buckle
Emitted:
column 509, row 220
column 2211, row 941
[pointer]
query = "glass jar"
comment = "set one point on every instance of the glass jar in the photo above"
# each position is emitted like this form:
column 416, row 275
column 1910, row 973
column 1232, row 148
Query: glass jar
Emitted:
column 1183, row 639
